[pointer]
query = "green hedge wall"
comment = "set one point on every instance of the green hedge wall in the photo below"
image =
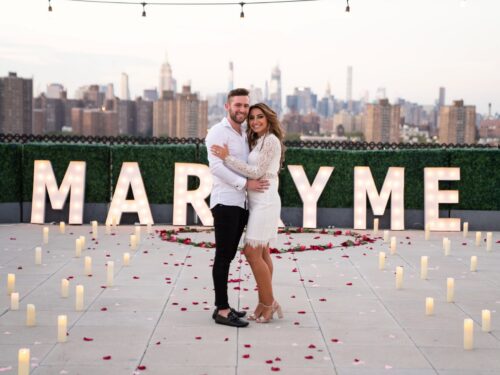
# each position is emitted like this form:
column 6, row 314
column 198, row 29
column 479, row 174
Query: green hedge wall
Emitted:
column 10, row 173
column 479, row 187
column 156, row 163
column 96, row 156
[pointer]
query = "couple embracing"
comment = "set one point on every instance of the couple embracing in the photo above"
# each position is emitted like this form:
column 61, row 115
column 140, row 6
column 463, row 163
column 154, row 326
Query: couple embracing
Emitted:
column 245, row 153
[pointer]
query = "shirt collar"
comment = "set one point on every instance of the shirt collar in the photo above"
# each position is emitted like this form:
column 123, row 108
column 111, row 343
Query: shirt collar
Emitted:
column 227, row 124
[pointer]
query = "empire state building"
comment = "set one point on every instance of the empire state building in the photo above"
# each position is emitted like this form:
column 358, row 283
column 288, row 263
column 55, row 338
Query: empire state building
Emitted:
column 167, row 82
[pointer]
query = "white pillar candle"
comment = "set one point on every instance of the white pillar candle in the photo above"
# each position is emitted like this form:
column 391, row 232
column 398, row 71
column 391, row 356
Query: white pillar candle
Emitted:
column 82, row 240
column 427, row 232
column 489, row 241
column 38, row 255
column 64, row 288
column 466, row 229
column 478, row 238
column 62, row 328
column 23, row 362
column 393, row 245
column 45, row 235
column 14, row 301
column 447, row 247
column 486, row 320
column 399, row 277
column 133, row 241
column 381, row 260
column 386, row 236
column 88, row 266
column 424, row 260
column 94, row 229
column 110, row 273
column 79, row 298
column 126, row 259
column 138, row 233
column 149, row 228
column 78, row 247
column 473, row 263
column 468, row 334
column 30, row 315
column 375, row 226
column 11, row 283
column 62, row 227
column 429, row 306
column 450, row 289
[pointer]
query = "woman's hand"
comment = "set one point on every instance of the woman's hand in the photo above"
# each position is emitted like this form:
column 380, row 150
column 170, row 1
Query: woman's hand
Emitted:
column 220, row 152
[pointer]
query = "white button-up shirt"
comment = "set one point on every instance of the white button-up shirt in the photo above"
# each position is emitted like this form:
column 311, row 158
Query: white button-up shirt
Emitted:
column 228, row 186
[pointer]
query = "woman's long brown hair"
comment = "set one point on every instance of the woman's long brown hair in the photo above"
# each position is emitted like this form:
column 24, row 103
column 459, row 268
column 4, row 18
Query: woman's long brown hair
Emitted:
column 274, row 128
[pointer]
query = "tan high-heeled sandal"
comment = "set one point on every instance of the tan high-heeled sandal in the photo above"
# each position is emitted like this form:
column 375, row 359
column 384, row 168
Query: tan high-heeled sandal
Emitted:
column 262, row 319
column 277, row 309
column 255, row 315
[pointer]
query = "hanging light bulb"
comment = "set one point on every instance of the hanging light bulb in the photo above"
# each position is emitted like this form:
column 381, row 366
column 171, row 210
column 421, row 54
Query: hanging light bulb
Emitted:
column 242, row 14
column 143, row 9
column 50, row 7
column 347, row 8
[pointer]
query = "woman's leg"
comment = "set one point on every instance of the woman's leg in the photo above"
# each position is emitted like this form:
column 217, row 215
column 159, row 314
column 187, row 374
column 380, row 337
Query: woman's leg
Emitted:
column 267, row 258
column 261, row 273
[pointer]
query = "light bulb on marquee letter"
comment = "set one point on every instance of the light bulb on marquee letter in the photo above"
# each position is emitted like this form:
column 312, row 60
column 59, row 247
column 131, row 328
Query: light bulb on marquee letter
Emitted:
column 393, row 186
column 434, row 196
column 45, row 180
column 183, row 196
column 310, row 193
column 130, row 177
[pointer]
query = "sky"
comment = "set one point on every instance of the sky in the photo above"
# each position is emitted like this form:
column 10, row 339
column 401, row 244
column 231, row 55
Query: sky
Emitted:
column 410, row 48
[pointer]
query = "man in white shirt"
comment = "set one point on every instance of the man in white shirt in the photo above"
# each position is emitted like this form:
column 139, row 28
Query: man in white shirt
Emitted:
column 228, row 200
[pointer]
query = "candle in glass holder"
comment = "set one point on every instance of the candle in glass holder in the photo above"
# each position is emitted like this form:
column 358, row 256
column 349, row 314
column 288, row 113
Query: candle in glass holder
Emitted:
column 94, row 229
column 489, row 241
column 429, row 306
column 386, row 236
column 478, row 238
column 138, row 233
column 64, row 288
column 45, row 235
column 133, row 241
column 79, row 298
column 14, row 301
column 427, row 232
column 78, row 247
column 468, row 334
column 450, row 289
column 23, row 362
column 62, row 328
column 473, row 263
column 486, row 320
column 381, row 260
column 30, row 315
column 447, row 246
column 38, row 255
column 88, row 266
column 11, row 283
column 423, row 267
column 399, row 277
column 375, row 226
column 82, row 240
column 62, row 227
column 466, row 229
column 110, row 273
column 126, row 259
column 393, row 245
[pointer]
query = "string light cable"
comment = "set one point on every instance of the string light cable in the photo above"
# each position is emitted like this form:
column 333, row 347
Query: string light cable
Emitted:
column 188, row 3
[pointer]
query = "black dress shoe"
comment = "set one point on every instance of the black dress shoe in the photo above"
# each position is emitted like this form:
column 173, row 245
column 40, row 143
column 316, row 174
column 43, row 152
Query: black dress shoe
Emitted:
column 239, row 314
column 231, row 320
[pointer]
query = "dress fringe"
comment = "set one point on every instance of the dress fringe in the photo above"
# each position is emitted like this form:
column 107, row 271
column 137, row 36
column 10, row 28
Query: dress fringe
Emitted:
column 256, row 243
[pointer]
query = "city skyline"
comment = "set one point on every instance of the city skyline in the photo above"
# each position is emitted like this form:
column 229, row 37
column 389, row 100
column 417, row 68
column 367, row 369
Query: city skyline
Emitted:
column 387, row 43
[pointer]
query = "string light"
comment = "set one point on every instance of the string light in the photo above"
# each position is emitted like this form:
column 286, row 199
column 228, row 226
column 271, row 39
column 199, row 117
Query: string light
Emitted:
column 347, row 8
column 50, row 7
column 241, row 4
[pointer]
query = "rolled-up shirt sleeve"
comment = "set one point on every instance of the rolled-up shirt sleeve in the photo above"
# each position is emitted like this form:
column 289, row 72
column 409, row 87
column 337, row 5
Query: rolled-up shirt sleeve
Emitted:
column 217, row 166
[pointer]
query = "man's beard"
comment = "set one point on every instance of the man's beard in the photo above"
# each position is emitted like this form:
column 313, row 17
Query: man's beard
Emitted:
column 233, row 117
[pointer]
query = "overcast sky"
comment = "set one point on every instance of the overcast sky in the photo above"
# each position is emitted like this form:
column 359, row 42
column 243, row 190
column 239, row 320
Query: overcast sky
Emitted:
column 409, row 47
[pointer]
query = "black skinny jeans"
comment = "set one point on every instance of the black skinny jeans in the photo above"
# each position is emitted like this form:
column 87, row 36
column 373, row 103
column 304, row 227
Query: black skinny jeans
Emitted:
column 229, row 222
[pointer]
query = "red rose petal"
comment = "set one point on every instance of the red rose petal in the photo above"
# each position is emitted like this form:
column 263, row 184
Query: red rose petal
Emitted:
column 247, row 346
column 275, row 369
column 312, row 346
column 158, row 342
column 246, row 356
column 104, row 309
column 269, row 361
column 277, row 359
column 198, row 337
column 301, row 312
column 88, row 339
column 107, row 357
column 334, row 340
column 309, row 357
column 348, row 284
column 141, row 368
column 322, row 299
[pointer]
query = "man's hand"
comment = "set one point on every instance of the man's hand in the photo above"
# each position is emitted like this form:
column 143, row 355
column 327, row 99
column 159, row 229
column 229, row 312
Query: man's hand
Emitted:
column 258, row 185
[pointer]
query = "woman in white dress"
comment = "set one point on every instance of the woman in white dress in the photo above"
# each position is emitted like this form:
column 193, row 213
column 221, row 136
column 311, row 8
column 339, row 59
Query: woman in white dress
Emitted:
column 265, row 138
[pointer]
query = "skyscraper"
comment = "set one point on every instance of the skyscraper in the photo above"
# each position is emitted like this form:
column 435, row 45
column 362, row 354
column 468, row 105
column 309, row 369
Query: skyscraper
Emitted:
column 16, row 104
column 382, row 122
column 457, row 123
column 275, row 90
column 55, row 91
column 110, row 90
column 167, row 82
column 231, row 76
column 348, row 94
column 442, row 97
column 125, row 91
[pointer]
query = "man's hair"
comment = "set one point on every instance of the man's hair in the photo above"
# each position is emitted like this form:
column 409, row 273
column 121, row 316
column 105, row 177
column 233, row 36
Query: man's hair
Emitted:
column 237, row 92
